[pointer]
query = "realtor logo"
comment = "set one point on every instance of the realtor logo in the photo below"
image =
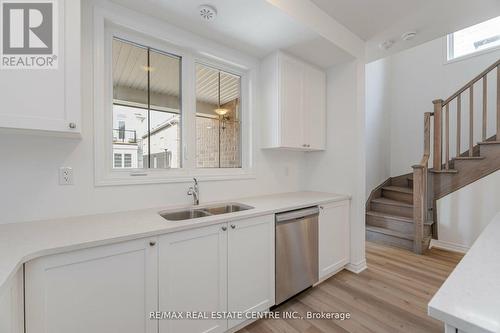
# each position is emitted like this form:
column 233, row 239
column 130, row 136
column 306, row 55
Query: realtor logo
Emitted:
column 29, row 34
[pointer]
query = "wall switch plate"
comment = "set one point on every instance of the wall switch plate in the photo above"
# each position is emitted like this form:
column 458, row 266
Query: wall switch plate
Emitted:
column 65, row 176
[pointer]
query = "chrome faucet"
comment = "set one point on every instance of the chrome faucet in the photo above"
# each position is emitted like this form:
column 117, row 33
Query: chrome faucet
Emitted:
column 195, row 192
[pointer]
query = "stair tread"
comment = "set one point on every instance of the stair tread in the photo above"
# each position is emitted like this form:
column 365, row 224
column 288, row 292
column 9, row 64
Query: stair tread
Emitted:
column 390, row 216
column 391, row 202
column 389, row 232
column 469, row 158
column 449, row 171
column 489, row 142
column 395, row 217
column 398, row 189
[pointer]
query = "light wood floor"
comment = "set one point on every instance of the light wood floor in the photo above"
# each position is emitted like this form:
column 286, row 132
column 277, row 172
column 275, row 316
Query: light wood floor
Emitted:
column 390, row 296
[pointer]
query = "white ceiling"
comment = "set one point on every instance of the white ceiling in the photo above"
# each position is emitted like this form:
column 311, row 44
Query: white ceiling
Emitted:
column 376, row 21
column 366, row 18
column 255, row 27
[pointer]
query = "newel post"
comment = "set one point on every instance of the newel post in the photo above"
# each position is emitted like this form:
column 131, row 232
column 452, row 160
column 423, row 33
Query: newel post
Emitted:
column 419, row 209
column 438, row 134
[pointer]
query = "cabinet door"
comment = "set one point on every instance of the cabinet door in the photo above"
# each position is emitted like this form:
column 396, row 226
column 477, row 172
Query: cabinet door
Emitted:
column 314, row 108
column 193, row 277
column 334, row 237
column 47, row 99
column 12, row 306
column 291, row 102
column 100, row 290
column 251, row 265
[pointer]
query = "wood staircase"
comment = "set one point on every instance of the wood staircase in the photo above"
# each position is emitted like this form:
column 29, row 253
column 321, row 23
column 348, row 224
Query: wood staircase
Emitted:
column 402, row 211
column 389, row 214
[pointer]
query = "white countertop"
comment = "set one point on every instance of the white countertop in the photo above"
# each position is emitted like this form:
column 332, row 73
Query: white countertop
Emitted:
column 21, row 242
column 470, row 298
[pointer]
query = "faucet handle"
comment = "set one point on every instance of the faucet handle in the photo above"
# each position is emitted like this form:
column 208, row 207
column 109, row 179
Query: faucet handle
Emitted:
column 190, row 191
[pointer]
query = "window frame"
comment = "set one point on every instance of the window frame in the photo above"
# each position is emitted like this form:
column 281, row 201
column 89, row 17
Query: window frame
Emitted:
column 448, row 50
column 105, row 28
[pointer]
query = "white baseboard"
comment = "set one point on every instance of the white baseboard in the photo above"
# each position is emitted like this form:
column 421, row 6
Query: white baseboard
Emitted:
column 448, row 246
column 358, row 267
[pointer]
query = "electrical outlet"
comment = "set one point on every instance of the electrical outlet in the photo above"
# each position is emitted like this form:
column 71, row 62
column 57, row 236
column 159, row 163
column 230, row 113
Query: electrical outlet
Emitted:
column 65, row 176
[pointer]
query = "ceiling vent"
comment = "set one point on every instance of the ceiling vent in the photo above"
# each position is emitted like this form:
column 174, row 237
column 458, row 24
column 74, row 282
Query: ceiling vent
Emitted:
column 207, row 12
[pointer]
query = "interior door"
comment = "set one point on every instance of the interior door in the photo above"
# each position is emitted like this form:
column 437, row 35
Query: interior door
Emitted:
column 193, row 278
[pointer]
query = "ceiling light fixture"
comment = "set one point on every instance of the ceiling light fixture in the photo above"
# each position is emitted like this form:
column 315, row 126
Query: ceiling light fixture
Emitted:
column 408, row 35
column 207, row 12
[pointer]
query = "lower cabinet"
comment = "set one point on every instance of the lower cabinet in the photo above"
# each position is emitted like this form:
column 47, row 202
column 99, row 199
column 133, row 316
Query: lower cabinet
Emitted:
column 193, row 278
column 250, row 266
column 12, row 306
column 214, row 270
column 334, row 237
column 217, row 269
column 100, row 290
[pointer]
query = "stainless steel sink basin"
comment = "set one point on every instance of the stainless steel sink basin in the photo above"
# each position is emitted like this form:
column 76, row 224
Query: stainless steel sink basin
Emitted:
column 187, row 214
column 226, row 208
column 193, row 213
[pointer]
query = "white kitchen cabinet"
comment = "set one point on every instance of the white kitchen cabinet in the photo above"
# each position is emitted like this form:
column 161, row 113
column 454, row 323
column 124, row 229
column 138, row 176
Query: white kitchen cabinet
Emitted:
column 250, row 265
column 294, row 104
column 12, row 306
column 100, row 290
column 47, row 100
column 193, row 277
column 226, row 267
column 333, row 238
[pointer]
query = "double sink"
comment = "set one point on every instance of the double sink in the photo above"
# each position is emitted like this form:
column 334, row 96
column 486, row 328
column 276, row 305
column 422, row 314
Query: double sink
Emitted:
column 197, row 212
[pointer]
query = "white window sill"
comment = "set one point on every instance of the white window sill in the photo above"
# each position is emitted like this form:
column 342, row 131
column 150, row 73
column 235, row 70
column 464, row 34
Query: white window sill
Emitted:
column 472, row 55
column 139, row 177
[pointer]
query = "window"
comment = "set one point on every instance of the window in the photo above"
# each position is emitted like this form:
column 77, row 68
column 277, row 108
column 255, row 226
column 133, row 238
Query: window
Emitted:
column 146, row 106
column 166, row 113
column 474, row 39
column 218, row 143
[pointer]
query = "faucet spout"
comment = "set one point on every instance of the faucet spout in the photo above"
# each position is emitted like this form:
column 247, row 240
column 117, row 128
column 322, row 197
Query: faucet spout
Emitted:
column 195, row 192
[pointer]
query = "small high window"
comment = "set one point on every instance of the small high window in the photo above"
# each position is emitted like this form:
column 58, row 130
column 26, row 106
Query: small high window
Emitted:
column 474, row 39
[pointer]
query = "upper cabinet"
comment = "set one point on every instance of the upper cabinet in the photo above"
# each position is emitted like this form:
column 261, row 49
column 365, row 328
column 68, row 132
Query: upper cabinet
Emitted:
column 294, row 104
column 40, row 67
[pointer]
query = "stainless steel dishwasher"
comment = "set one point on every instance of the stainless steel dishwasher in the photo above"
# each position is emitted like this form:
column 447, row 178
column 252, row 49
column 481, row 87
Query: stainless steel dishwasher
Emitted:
column 296, row 252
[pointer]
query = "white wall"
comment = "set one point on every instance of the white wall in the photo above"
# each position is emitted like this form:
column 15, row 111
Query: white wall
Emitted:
column 418, row 76
column 29, row 171
column 341, row 168
column 463, row 214
column 378, row 117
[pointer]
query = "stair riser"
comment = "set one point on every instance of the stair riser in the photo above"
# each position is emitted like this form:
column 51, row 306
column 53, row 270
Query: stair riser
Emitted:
column 395, row 225
column 391, row 209
column 389, row 240
column 489, row 151
column 399, row 196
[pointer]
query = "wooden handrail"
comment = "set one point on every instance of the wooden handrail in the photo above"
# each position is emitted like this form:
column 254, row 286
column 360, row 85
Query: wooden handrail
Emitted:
column 421, row 188
column 471, row 82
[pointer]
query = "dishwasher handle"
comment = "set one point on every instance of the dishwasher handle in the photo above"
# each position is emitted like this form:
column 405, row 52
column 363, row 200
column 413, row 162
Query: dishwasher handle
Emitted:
column 296, row 214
